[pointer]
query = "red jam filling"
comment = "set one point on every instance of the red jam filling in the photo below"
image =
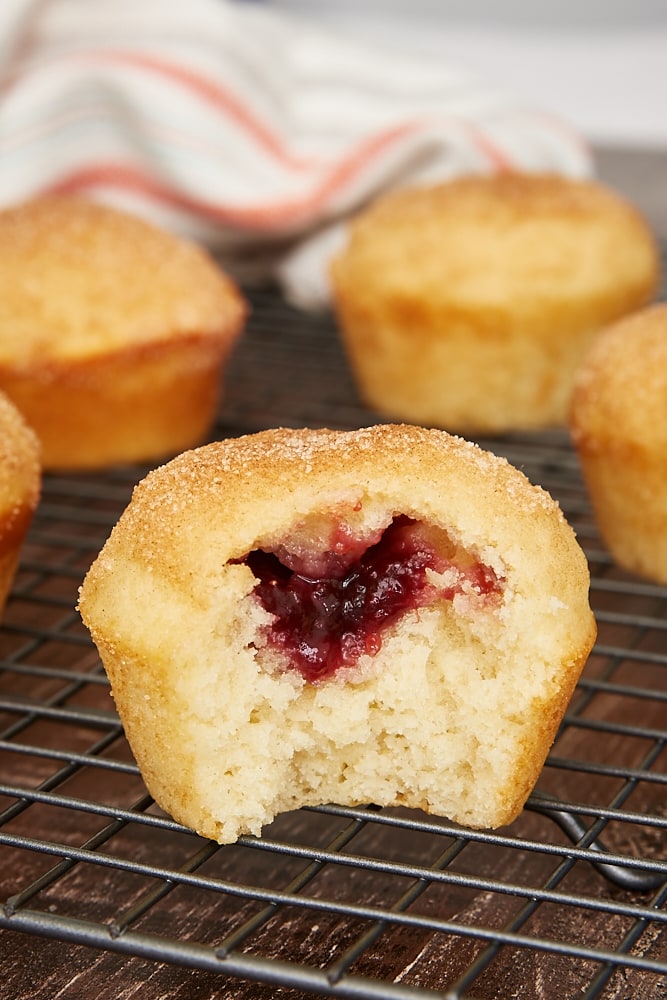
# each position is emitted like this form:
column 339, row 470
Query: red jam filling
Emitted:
column 326, row 622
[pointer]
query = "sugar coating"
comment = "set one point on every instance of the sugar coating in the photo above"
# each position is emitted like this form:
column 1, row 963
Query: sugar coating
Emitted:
column 454, row 714
column 19, row 461
column 501, row 240
column 621, row 384
column 78, row 279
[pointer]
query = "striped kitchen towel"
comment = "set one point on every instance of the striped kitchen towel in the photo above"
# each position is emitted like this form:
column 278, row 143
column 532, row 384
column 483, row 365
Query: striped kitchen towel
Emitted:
column 243, row 128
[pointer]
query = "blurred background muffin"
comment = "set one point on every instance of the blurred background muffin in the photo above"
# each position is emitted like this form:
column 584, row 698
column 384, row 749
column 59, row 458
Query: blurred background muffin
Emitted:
column 468, row 305
column 20, row 484
column 619, row 429
column 113, row 332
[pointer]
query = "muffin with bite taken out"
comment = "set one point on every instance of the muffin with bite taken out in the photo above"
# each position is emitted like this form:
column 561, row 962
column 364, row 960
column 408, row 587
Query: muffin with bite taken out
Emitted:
column 389, row 615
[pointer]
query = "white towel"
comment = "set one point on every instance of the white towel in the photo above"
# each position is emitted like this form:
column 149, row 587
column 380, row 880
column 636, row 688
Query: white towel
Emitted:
column 242, row 128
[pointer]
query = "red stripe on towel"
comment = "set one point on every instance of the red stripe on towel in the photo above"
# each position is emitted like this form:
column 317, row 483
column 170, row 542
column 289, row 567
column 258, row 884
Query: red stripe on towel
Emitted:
column 220, row 97
column 212, row 92
column 271, row 215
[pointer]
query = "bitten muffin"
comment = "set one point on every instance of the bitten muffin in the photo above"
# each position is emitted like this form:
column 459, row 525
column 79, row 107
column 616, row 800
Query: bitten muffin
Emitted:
column 113, row 333
column 619, row 429
column 387, row 616
column 20, row 482
column 469, row 305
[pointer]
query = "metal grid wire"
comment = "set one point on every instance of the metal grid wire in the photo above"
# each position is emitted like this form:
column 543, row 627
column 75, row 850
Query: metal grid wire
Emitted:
column 106, row 896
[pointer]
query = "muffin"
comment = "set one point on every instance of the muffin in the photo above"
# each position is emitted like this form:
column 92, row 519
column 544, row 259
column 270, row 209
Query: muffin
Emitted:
column 388, row 616
column 619, row 429
column 20, row 481
column 469, row 305
column 113, row 333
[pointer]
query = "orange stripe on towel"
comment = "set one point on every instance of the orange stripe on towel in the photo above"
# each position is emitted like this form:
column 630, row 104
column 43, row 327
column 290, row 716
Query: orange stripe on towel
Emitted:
column 210, row 91
column 220, row 97
column 270, row 215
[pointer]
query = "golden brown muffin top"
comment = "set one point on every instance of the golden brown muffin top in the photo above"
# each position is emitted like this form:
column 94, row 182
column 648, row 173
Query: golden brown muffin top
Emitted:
column 494, row 240
column 20, row 472
column 620, row 388
column 213, row 503
column 78, row 278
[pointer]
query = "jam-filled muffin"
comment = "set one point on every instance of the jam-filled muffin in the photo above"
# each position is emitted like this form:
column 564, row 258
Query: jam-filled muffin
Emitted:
column 20, row 482
column 389, row 615
column 619, row 429
column 468, row 305
column 113, row 333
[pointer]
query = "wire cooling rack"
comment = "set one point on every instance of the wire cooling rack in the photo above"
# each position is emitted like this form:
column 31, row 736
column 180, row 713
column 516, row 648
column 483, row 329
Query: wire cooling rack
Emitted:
column 105, row 896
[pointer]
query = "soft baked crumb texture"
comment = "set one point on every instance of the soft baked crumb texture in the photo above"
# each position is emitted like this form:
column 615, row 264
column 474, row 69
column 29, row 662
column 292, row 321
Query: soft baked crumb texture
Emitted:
column 456, row 711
